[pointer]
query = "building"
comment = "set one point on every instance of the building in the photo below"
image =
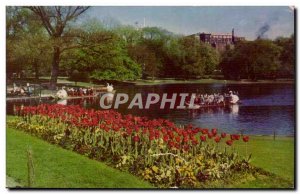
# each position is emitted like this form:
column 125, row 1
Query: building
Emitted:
column 219, row 41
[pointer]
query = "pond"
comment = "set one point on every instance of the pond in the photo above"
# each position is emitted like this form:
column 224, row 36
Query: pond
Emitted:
column 266, row 108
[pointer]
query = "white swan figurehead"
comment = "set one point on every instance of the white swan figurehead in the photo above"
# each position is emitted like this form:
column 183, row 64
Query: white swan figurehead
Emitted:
column 234, row 98
column 109, row 87
column 62, row 93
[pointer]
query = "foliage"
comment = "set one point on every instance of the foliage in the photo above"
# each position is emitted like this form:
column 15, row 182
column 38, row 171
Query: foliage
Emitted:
column 148, row 49
column 79, row 76
column 56, row 21
column 103, row 55
column 48, row 37
column 157, row 150
column 148, row 54
column 252, row 59
column 26, row 43
column 197, row 58
column 287, row 56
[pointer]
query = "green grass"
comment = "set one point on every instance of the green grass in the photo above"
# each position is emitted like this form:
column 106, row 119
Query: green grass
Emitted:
column 79, row 84
column 274, row 156
column 205, row 81
column 64, row 80
column 59, row 168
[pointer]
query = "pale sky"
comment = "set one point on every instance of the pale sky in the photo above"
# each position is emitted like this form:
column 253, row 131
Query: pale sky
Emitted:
column 188, row 20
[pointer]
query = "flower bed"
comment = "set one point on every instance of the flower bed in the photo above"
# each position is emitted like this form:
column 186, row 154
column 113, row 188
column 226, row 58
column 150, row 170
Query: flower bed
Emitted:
column 156, row 150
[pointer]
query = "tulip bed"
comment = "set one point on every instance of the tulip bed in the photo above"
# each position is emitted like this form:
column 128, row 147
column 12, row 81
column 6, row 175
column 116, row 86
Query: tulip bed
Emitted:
column 156, row 150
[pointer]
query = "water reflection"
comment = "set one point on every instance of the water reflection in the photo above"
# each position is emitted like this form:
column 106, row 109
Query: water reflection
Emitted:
column 232, row 110
column 62, row 102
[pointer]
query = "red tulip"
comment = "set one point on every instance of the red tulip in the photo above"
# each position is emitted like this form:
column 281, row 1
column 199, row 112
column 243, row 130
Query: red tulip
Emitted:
column 166, row 138
column 235, row 137
column 223, row 135
column 151, row 137
column 194, row 142
column 137, row 129
column 214, row 131
column 171, row 144
column 203, row 138
column 229, row 142
column 157, row 134
column 217, row 139
column 186, row 148
column 232, row 137
column 204, row 131
column 185, row 139
column 136, row 138
column 246, row 138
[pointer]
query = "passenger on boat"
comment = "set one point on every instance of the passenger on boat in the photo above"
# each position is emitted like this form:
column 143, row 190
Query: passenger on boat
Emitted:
column 22, row 91
column 215, row 99
column 80, row 91
column 84, row 91
column 29, row 90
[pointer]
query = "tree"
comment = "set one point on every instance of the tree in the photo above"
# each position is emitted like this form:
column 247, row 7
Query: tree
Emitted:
column 146, row 57
column 155, row 33
column 231, row 64
column 26, row 42
column 252, row 59
column 148, row 50
column 172, row 58
column 129, row 34
column 16, row 19
column 55, row 20
column 34, row 52
column 287, row 55
column 197, row 58
column 103, row 56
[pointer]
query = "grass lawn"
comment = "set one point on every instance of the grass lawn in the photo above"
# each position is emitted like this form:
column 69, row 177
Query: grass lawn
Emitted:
column 205, row 81
column 274, row 156
column 59, row 168
column 64, row 80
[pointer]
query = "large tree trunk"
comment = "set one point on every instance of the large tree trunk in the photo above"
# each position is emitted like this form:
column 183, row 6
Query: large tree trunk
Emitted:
column 55, row 67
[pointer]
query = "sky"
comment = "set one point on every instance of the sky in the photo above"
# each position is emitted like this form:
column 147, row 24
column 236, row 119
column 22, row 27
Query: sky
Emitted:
column 247, row 21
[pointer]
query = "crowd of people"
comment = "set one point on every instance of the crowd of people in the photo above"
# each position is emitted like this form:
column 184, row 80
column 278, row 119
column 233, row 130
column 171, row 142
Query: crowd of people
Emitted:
column 21, row 90
column 80, row 91
column 215, row 99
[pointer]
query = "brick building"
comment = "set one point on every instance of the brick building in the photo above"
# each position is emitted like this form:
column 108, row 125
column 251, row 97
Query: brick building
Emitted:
column 219, row 41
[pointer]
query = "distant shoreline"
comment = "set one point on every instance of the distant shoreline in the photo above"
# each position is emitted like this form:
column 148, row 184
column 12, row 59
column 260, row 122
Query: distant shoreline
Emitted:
column 141, row 82
column 208, row 81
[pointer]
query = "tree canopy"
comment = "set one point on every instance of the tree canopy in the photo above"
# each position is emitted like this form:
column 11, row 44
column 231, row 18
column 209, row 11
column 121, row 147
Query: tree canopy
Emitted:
column 252, row 59
column 44, row 40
